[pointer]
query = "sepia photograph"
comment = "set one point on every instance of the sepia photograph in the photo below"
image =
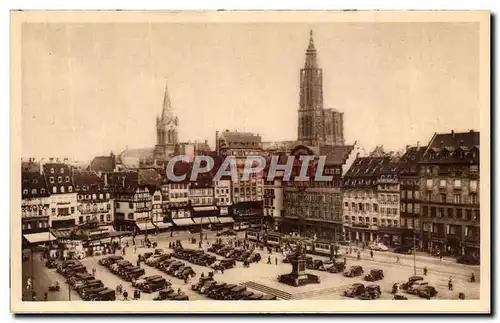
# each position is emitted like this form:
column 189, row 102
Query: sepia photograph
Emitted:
column 250, row 162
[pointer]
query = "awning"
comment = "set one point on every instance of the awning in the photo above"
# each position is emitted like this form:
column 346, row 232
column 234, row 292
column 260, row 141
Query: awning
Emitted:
column 204, row 208
column 61, row 233
column 213, row 219
column 39, row 237
column 162, row 225
column 183, row 222
column 225, row 219
column 201, row 220
column 144, row 226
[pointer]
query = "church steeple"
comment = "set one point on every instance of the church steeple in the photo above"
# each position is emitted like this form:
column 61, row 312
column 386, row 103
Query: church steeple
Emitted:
column 167, row 106
column 311, row 59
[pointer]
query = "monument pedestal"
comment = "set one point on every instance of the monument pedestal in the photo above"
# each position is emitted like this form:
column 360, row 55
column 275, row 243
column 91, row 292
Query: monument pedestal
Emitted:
column 298, row 276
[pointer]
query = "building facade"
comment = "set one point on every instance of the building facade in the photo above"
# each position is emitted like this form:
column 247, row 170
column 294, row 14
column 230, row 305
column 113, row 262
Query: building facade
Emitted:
column 449, row 186
column 94, row 202
column 35, row 208
column 63, row 200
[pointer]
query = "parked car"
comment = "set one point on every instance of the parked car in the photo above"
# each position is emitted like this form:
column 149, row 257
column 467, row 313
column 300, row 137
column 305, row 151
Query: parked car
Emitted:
column 226, row 233
column 255, row 297
column 106, row 295
column 107, row 261
column 378, row 247
column 221, row 293
column 404, row 250
column 354, row 271
column 215, row 247
column 413, row 289
column 206, row 287
column 164, row 294
column 411, row 280
column 268, row 297
column 375, row 274
column 180, row 297
column 371, row 291
column 336, row 267
column 399, row 296
column 91, row 293
column 316, row 264
column 468, row 260
column 355, row 290
column 426, row 291
column 213, row 287
column 224, row 264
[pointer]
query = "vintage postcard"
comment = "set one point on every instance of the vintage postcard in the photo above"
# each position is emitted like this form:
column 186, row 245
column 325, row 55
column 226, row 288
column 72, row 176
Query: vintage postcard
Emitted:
column 250, row 162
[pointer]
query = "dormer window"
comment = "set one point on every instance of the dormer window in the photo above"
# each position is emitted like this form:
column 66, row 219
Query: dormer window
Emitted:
column 33, row 191
column 25, row 192
column 52, row 170
column 42, row 190
column 35, row 181
column 62, row 170
column 59, row 179
column 70, row 189
column 51, row 180
column 54, row 189
column 67, row 179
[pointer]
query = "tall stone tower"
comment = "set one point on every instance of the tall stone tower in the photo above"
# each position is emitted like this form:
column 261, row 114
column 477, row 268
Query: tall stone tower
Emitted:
column 311, row 127
column 166, row 129
column 317, row 126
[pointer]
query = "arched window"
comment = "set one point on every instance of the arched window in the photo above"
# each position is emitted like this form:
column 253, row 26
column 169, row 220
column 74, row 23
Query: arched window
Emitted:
column 54, row 189
column 33, row 191
column 70, row 189
column 25, row 192
column 62, row 189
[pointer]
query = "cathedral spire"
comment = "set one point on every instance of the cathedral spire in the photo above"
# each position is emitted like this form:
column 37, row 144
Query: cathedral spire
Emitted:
column 311, row 61
column 167, row 106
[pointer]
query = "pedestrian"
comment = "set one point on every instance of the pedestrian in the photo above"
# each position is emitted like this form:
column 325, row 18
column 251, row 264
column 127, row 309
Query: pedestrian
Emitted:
column 345, row 261
column 125, row 295
column 425, row 271
column 135, row 248
column 268, row 260
column 472, row 278
column 93, row 271
column 397, row 259
column 371, row 254
column 359, row 255
column 276, row 260
column 45, row 296
column 450, row 284
column 138, row 263
column 222, row 270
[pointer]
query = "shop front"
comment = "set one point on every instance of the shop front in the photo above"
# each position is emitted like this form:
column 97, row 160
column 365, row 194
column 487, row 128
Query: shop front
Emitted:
column 389, row 236
column 248, row 215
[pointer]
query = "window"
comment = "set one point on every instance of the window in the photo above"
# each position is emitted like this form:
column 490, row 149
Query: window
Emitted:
column 440, row 212
column 403, row 207
column 457, row 199
column 442, row 183
column 108, row 217
column 395, row 223
column 53, row 211
column 59, row 179
column 70, row 189
column 54, row 189
column 367, row 219
column 459, row 214
column 417, row 195
column 429, row 196
column 51, row 180
column 25, row 192
column 62, row 189
column 131, row 216
column 88, row 218
column 410, row 195
column 42, row 190
column 410, row 208
column 473, row 199
column 375, row 207
column 108, row 206
column 429, row 184
column 62, row 170
column 416, row 209
column 107, row 195
column 94, row 196
column 353, row 218
column 131, row 205
column 433, row 211
column 67, row 179
column 457, row 183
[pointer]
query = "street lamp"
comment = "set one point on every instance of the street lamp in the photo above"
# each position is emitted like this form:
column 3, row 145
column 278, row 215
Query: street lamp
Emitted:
column 414, row 248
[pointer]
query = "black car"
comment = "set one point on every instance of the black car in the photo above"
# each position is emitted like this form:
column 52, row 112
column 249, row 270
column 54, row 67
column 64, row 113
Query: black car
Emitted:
column 371, row 292
column 404, row 250
column 375, row 274
column 226, row 233
column 354, row 271
column 164, row 294
column 355, row 290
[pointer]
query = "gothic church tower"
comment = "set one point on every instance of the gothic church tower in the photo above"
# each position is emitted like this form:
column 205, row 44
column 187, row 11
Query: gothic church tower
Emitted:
column 166, row 128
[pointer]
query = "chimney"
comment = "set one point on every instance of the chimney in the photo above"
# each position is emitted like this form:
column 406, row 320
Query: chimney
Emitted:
column 407, row 147
column 418, row 144
column 452, row 132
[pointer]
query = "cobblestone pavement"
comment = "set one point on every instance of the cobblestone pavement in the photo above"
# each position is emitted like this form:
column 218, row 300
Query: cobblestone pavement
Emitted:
column 262, row 277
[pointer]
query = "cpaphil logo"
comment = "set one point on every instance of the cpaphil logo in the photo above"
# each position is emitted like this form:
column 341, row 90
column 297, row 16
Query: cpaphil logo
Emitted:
column 252, row 165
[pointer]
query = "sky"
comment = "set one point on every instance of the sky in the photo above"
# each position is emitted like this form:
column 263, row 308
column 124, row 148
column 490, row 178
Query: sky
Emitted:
column 88, row 89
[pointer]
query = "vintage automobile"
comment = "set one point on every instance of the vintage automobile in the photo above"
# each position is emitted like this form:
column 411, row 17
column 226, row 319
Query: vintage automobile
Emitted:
column 215, row 247
column 399, row 296
column 426, row 291
column 89, row 294
column 355, row 290
column 255, row 297
column 172, row 268
column 150, row 286
column 411, row 280
column 375, row 274
column 407, row 250
column 226, row 233
column 180, row 297
column 133, row 274
column 146, row 255
column 378, row 247
column 106, row 295
column 235, row 293
column 354, row 271
column 371, row 291
column 245, row 295
column 201, row 282
column 73, row 270
column 213, row 287
column 51, row 263
column 206, row 287
column 107, row 261
column 186, row 271
column 336, row 267
column 164, row 294
column 413, row 289
column 225, row 264
column 159, row 251
column 224, row 250
column 468, row 260
column 95, row 283
column 221, row 293
column 254, row 257
column 79, row 277
column 316, row 264
column 152, row 277
column 206, row 260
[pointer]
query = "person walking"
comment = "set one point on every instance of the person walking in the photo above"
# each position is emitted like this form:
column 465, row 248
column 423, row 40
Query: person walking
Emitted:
column 93, row 271
column 359, row 255
column 268, row 260
column 45, row 296
column 371, row 254
column 276, row 260
column 450, row 284
column 425, row 271
column 345, row 261
column 397, row 259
